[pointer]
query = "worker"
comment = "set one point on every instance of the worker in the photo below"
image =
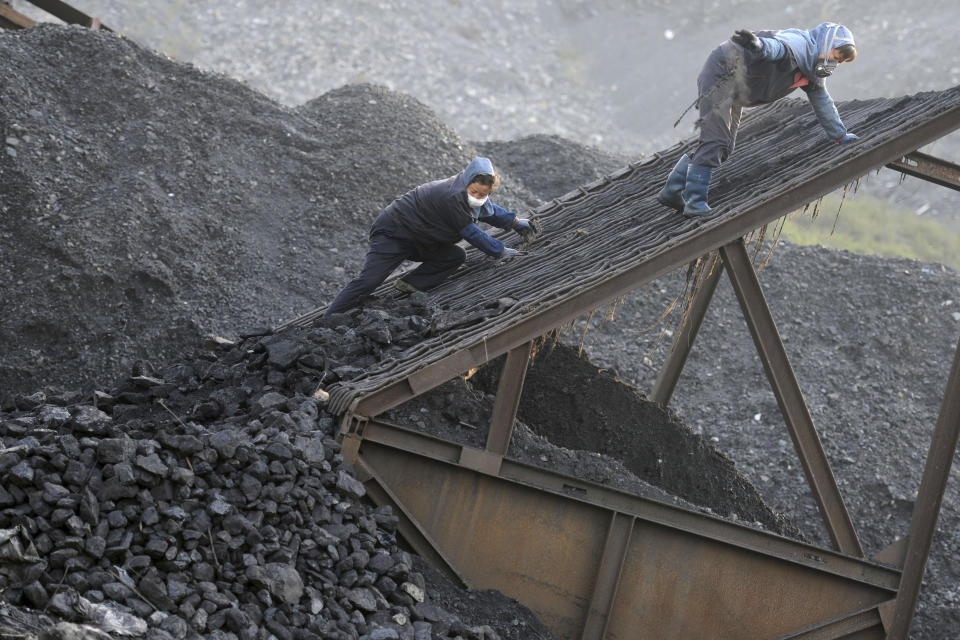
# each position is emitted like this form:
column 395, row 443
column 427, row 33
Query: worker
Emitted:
column 425, row 224
column 750, row 69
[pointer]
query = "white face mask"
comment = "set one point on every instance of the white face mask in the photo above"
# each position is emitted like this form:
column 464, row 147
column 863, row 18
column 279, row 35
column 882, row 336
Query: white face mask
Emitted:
column 475, row 202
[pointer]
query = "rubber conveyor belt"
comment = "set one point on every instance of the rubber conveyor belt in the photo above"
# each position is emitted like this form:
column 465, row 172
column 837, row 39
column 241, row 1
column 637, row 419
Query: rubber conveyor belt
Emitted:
column 608, row 228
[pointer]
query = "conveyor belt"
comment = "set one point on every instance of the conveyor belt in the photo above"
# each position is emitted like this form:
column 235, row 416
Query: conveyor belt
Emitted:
column 611, row 236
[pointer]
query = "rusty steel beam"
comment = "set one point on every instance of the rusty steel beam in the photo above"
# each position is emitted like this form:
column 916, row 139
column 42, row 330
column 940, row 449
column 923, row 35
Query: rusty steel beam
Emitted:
column 401, row 440
column 926, row 510
column 508, row 398
column 512, row 375
column 69, row 14
column 790, row 398
column 670, row 372
column 609, row 573
column 717, row 234
column 929, row 168
column 595, row 562
column 10, row 19
column 859, row 625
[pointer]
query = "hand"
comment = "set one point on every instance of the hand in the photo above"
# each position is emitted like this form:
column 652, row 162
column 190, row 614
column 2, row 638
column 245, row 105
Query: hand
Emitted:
column 507, row 252
column 748, row 40
column 528, row 229
column 849, row 137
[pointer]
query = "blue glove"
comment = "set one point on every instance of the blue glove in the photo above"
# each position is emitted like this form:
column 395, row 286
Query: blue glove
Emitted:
column 521, row 224
column 850, row 137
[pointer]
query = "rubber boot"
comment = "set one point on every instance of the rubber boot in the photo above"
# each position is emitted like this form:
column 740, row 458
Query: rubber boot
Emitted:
column 670, row 195
column 695, row 191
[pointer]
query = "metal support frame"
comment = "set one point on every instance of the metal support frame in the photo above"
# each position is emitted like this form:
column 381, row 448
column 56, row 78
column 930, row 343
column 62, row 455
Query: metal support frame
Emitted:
column 508, row 398
column 929, row 168
column 790, row 398
column 683, row 342
column 10, row 19
column 860, row 624
column 595, row 562
column 726, row 235
column 926, row 510
column 69, row 14
column 505, row 406
column 604, row 596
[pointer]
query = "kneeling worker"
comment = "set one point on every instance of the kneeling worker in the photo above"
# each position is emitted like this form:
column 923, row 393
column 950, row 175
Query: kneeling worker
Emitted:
column 425, row 224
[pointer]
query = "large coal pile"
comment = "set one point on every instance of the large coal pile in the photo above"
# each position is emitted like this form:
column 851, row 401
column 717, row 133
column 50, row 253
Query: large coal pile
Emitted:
column 146, row 202
column 210, row 498
column 72, row 322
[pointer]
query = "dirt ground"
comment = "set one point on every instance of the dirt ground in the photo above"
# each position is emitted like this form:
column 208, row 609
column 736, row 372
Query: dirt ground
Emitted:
column 147, row 202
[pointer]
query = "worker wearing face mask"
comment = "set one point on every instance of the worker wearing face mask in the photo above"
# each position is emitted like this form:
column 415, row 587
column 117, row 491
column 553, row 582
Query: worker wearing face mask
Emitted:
column 425, row 224
column 750, row 69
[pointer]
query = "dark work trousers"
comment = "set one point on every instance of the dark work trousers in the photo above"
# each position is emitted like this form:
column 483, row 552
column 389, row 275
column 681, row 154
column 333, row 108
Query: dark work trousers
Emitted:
column 384, row 255
column 719, row 112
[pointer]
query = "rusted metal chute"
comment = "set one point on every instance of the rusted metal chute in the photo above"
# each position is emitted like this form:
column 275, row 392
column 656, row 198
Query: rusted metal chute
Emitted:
column 594, row 562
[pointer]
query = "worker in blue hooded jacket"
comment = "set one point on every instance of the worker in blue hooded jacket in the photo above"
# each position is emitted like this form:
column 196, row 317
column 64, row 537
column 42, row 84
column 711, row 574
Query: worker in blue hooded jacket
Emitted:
column 750, row 69
column 425, row 224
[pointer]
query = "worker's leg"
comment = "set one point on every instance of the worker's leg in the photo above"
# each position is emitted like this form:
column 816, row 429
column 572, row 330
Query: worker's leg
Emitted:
column 384, row 255
column 719, row 112
column 717, row 86
column 437, row 266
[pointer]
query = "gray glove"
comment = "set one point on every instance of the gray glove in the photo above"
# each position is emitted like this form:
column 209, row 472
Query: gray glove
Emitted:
column 528, row 229
column 748, row 40
column 507, row 252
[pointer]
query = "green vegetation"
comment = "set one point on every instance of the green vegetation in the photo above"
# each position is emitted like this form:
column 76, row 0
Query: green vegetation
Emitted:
column 869, row 225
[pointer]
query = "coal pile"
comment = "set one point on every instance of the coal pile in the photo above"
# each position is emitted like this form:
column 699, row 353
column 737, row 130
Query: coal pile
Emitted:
column 210, row 499
column 268, row 218
column 146, row 202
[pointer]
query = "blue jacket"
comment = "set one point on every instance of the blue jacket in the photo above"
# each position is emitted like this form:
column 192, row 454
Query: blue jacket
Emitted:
column 788, row 60
column 437, row 213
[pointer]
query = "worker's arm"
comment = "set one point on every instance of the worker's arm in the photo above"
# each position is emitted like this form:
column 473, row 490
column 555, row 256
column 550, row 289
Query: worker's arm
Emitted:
column 826, row 112
column 772, row 49
column 482, row 240
column 764, row 48
column 496, row 216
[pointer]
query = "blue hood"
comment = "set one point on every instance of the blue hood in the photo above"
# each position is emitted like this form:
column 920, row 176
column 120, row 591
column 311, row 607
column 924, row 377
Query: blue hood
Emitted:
column 808, row 46
column 477, row 167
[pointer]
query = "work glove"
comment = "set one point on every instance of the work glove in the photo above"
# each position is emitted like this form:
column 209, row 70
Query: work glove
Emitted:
column 849, row 137
column 507, row 252
column 748, row 40
column 528, row 229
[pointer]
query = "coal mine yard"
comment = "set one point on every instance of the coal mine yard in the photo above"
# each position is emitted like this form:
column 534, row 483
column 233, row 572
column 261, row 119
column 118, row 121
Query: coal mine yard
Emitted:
column 170, row 466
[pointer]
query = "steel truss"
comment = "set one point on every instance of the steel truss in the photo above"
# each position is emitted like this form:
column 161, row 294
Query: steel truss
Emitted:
column 596, row 563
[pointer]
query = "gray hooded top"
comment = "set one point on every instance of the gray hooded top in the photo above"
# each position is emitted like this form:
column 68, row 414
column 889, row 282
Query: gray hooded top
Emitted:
column 788, row 61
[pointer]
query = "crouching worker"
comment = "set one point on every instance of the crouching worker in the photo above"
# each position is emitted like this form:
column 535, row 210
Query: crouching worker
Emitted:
column 425, row 224
column 750, row 69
